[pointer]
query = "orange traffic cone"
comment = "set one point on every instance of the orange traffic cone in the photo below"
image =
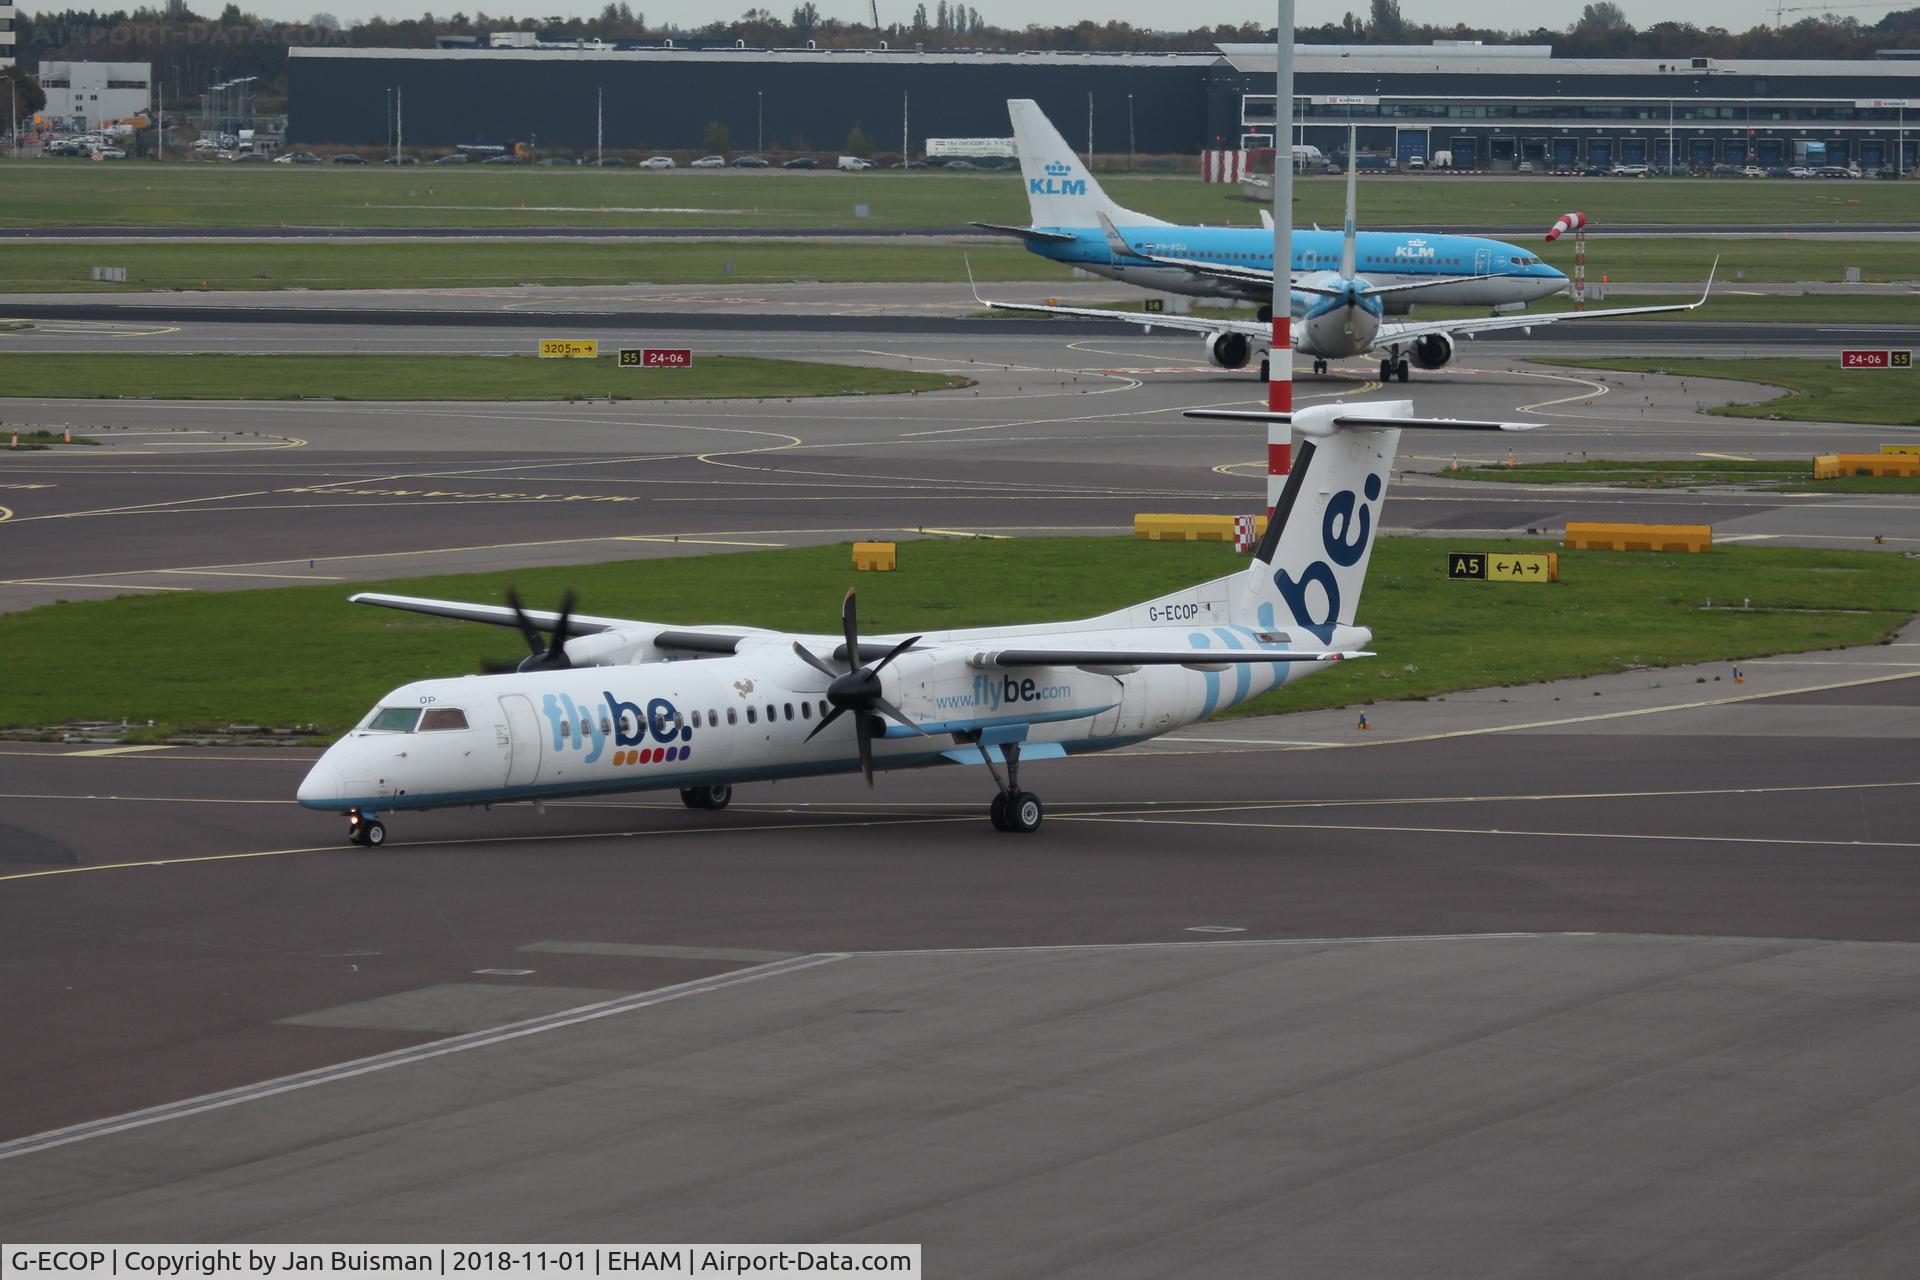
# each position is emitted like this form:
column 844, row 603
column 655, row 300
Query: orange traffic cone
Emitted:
column 1509, row 456
column 66, row 436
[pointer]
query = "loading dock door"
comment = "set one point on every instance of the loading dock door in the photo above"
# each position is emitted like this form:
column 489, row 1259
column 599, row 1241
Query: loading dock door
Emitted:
column 1700, row 153
column 1465, row 153
column 1633, row 151
column 1566, row 153
column 1534, row 149
column 1410, row 143
column 1600, row 151
column 1503, row 153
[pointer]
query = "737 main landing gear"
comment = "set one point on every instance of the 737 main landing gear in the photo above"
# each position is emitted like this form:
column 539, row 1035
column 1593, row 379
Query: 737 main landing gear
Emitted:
column 1012, row 809
column 717, row 796
column 365, row 829
column 1394, row 366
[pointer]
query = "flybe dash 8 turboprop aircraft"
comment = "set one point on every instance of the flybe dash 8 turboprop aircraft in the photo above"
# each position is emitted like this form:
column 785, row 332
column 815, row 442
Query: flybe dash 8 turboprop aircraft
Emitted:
column 1073, row 221
column 1337, row 314
column 608, row 705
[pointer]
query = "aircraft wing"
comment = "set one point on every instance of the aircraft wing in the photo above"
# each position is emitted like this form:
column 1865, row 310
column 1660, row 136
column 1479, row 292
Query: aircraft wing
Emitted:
column 1025, row 233
column 580, row 624
column 1145, row 319
column 1393, row 333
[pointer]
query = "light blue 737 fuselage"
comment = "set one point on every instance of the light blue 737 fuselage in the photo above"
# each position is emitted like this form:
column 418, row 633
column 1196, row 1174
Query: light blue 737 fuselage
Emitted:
column 1508, row 274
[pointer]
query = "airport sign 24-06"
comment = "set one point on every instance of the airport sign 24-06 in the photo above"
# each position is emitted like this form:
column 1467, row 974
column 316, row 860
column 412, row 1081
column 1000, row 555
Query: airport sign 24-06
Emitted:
column 656, row 358
column 1876, row 359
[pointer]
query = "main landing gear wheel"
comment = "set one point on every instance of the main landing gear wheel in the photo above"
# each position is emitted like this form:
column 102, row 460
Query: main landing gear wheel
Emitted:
column 1319, row 366
column 718, row 796
column 365, row 830
column 1403, row 370
column 1012, row 809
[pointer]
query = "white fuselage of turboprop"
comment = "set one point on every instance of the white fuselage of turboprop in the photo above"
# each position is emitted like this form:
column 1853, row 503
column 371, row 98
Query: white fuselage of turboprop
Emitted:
column 655, row 725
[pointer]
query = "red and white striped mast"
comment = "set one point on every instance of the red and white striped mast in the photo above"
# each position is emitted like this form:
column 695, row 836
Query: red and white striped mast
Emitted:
column 1575, row 222
column 1280, row 348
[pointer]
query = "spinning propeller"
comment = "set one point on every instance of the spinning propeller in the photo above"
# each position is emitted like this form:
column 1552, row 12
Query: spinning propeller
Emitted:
column 858, row 688
column 545, row 654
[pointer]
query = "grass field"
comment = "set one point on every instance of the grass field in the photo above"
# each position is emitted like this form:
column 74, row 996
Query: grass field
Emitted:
column 1822, row 390
column 300, row 655
column 364, row 377
column 1691, row 473
column 144, row 194
column 64, row 267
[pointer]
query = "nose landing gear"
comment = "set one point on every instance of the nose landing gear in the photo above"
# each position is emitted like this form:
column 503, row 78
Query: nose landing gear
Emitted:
column 365, row 829
column 1012, row 809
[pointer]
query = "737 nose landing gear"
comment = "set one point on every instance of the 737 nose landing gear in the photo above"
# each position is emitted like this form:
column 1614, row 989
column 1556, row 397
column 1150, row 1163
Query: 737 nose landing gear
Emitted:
column 365, row 829
column 1012, row 809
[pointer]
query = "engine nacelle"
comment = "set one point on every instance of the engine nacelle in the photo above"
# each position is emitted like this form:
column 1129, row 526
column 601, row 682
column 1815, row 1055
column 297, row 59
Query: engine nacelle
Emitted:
column 1229, row 350
column 1433, row 350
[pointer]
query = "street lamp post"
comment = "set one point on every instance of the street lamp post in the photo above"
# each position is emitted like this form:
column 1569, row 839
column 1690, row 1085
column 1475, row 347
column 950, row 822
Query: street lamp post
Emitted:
column 759, row 120
column 1129, row 133
column 599, row 127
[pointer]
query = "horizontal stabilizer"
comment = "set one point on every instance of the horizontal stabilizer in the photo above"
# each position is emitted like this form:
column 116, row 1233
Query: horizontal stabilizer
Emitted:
column 1321, row 425
column 1029, row 233
column 1153, row 658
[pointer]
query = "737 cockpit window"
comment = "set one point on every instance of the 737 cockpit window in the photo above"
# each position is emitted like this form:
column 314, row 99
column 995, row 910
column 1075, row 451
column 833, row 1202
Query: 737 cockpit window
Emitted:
column 438, row 719
column 394, row 720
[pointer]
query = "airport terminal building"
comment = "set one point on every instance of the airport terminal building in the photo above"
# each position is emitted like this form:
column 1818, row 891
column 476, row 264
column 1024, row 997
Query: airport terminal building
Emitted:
column 1491, row 107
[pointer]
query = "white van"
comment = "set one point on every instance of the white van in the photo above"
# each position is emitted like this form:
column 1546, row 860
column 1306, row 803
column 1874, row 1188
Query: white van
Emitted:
column 853, row 164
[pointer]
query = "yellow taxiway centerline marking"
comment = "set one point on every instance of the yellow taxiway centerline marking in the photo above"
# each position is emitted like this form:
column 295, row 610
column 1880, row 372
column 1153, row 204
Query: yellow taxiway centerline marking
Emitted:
column 114, row 751
column 343, row 847
column 1483, row 831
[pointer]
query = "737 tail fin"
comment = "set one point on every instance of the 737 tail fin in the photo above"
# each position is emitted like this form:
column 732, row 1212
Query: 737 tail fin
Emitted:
column 1060, row 191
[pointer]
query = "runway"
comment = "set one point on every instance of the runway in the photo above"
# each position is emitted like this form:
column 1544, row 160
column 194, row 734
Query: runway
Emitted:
column 1065, row 435
column 1631, row 958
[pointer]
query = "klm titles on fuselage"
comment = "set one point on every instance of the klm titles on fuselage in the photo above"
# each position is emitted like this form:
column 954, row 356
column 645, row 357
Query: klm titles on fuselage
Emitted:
column 1057, row 183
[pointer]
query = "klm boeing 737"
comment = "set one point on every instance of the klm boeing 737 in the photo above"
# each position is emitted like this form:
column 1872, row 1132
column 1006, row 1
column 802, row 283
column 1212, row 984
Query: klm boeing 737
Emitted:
column 1338, row 310
column 1069, row 224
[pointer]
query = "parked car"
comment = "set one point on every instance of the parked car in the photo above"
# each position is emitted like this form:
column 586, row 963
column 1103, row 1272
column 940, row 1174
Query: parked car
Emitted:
column 709, row 162
column 297, row 157
column 504, row 160
column 401, row 160
column 657, row 162
column 801, row 162
column 608, row 162
column 750, row 162
column 458, row 157
column 908, row 164
column 1753, row 171
column 1835, row 171
column 109, row 153
column 1525, row 166
column 1629, row 171
column 347, row 157
column 965, row 166
column 245, row 157
column 1799, row 171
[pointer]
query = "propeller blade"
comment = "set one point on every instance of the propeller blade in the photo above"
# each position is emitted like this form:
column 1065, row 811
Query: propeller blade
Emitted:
column 556, row 652
column 815, row 663
column 896, row 651
column 864, row 731
column 850, row 625
column 888, row 709
column 825, row 720
column 528, row 632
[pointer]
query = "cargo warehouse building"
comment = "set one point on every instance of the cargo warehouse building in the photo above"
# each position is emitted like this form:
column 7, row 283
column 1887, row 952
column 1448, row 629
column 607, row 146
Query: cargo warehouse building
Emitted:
column 1492, row 107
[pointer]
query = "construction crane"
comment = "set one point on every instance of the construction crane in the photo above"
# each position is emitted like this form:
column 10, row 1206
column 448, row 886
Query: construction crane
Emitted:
column 1780, row 9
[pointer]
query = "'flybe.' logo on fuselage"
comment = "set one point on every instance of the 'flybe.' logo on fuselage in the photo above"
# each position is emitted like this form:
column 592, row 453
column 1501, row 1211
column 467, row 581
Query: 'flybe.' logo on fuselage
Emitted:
column 587, row 727
column 1057, row 183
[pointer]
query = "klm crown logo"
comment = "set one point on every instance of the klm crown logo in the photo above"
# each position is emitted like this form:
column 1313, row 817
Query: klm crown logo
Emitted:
column 1056, row 183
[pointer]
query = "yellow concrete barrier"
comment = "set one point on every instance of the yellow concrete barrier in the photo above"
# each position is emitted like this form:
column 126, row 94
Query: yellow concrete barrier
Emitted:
column 876, row 557
column 1176, row 528
column 1900, row 448
column 1639, row 537
column 1830, row 466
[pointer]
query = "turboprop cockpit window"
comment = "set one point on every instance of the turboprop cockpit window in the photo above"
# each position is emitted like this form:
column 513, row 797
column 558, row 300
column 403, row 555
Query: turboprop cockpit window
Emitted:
column 442, row 718
column 394, row 720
